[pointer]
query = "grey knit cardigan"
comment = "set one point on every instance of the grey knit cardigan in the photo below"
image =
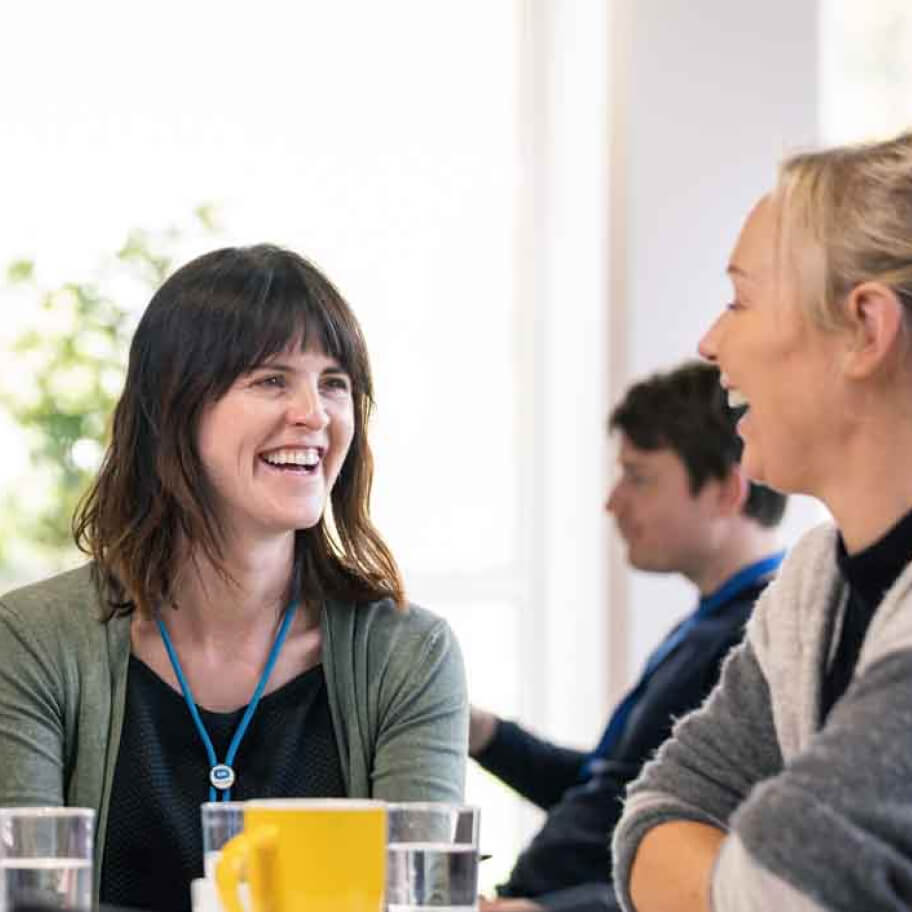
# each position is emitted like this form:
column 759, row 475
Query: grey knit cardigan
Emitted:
column 818, row 811
column 395, row 683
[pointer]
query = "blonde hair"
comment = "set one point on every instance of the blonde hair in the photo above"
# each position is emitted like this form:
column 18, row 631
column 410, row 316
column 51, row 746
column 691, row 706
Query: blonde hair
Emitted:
column 845, row 217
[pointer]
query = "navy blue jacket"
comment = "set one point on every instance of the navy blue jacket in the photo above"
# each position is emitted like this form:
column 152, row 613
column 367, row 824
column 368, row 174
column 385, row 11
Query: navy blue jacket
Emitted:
column 567, row 865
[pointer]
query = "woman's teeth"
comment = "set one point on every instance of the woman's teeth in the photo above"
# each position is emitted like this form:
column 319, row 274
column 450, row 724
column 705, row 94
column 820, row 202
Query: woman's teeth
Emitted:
column 308, row 457
column 736, row 399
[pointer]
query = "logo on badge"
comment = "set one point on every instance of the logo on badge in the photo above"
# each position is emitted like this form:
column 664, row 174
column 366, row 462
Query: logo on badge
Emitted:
column 221, row 776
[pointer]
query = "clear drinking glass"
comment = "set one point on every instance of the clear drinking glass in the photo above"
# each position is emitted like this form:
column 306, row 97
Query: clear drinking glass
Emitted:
column 432, row 857
column 46, row 858
column 221, row 820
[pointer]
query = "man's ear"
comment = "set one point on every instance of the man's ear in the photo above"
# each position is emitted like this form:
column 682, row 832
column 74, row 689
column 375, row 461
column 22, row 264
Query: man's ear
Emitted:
column 874, row 316
column 733, row 491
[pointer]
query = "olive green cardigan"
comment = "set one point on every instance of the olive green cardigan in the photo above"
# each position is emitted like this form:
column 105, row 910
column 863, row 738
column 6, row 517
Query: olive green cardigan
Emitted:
column 395, row 683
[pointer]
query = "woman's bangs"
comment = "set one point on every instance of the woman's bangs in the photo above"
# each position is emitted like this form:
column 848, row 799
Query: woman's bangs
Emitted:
column 282, row 315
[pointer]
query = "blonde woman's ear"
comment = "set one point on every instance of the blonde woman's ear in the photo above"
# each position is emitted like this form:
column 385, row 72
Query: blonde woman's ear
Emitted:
column 874, row 318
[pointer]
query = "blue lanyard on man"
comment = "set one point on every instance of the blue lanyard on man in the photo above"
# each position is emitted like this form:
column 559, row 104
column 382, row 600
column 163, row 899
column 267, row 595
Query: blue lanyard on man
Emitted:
column 708, row 605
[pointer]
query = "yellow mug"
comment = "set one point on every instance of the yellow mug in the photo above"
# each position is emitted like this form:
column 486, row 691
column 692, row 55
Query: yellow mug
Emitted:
column 318, row 855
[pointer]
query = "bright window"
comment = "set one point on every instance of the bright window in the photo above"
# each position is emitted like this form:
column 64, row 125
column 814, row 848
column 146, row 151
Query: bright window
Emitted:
column 406, row 148
column 866, row 69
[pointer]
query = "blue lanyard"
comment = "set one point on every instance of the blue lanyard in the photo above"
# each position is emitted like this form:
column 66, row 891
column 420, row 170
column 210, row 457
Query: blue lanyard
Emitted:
column 222, row 775
column 743, row 579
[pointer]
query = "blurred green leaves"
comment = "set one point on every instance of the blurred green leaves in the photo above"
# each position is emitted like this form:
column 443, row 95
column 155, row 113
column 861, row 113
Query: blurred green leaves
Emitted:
column 20, row 271
column 60, row 381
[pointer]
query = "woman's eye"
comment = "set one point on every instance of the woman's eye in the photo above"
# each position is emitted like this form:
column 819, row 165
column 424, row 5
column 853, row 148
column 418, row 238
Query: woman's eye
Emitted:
column 272, row 381
column 337, row 384
column 734, row 304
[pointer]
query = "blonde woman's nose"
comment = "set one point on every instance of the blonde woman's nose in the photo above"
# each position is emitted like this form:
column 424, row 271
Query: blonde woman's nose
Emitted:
column 707, row 346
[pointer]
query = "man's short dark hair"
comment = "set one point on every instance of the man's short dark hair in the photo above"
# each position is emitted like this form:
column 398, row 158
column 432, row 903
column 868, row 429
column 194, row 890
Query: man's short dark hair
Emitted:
column 687, row 411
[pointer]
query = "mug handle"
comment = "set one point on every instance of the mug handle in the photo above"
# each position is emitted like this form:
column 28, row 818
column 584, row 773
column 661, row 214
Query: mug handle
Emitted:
column 253, row 853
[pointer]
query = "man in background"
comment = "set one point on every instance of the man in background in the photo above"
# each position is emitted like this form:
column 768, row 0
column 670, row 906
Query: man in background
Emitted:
column 682, row 505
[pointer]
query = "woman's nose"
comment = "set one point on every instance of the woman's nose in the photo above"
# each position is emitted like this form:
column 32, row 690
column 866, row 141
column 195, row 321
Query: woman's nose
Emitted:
column 306, row 409
column 708, row 345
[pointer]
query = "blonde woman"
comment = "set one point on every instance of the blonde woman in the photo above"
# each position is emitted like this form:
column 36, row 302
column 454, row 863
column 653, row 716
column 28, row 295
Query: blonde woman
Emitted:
column 791, row 789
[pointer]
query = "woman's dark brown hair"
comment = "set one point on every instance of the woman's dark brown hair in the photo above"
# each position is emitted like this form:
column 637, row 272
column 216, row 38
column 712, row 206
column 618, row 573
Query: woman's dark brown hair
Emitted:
column 212, row 321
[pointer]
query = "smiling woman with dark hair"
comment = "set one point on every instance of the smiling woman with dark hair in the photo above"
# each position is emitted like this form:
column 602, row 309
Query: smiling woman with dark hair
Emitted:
column 242, row 628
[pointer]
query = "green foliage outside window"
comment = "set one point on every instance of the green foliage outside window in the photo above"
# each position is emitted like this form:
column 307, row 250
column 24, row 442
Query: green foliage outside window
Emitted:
column 61, row 380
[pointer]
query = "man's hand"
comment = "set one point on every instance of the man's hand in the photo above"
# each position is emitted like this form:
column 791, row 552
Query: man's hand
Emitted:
column 482, row 726
column 509, row 904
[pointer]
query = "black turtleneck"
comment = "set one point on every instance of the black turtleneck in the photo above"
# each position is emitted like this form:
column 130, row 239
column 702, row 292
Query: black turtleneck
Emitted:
column 869, row 574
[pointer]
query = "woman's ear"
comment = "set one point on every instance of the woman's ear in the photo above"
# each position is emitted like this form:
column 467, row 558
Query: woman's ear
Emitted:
column 874, row 320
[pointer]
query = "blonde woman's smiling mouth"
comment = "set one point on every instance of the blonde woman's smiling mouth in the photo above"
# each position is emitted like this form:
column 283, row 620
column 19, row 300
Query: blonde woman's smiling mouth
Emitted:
column 737, row 399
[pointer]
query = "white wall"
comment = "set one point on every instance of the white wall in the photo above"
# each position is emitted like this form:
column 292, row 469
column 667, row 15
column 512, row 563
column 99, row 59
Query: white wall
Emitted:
column 529, row 203
column 714, row 94
column 563, row 302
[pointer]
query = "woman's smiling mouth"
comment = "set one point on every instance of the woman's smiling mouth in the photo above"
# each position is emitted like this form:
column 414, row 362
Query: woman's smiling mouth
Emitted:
column 304, row 460
column 737, row 399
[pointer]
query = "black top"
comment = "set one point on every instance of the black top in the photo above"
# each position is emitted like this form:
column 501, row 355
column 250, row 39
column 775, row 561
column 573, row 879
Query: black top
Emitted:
column 568, row 863
column 869, row 573
column 153, row 847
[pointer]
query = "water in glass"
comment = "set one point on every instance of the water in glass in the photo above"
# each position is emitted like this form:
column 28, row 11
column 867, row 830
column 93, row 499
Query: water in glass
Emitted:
column 55, row 883
column 436, row 877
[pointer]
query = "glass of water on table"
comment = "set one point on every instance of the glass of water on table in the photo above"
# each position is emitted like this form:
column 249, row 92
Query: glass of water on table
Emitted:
column 221, row 821
column 432, row 858
column 46, row 858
